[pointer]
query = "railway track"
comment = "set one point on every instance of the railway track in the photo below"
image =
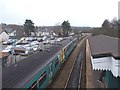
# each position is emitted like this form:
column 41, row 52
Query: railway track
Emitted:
column 62, row 76
column 74, row 79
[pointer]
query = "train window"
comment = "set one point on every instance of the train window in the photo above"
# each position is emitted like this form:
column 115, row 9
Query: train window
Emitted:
column 42, row 78
column 56, row 62
column 33, row 86
column 67, row 48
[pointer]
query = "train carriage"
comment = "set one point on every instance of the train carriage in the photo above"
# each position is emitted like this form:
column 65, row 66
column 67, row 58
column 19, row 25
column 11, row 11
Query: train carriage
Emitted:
column 68, row 48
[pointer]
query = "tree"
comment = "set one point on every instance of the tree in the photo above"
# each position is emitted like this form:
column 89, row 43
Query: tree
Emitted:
column 57, row 29
column 28, row 27
column 66, row 28
column 106, row 24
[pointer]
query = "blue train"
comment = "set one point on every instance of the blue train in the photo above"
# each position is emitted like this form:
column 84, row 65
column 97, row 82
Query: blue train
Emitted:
column 38, row 70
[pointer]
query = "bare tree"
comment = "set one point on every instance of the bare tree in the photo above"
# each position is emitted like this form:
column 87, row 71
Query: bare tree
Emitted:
column 114, row 23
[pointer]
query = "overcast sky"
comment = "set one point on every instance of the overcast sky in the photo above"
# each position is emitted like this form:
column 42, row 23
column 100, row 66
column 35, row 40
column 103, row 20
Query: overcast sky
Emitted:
column 49, row 12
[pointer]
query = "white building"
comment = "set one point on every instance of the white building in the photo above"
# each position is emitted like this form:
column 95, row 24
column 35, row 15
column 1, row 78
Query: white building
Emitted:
column 3, row 35
column 105, row 56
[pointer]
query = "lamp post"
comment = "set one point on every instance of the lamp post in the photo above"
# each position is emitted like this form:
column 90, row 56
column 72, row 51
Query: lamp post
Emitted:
column 14, row 50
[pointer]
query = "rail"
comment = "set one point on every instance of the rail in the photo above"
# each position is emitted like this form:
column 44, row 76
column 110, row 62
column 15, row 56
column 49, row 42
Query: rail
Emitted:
column 74, row 79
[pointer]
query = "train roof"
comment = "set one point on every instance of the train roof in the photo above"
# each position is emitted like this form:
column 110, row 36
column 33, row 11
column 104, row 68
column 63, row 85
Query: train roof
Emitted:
column 15, row 77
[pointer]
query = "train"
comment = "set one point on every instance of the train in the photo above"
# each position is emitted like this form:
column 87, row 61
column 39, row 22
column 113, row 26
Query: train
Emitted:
column 32, row 74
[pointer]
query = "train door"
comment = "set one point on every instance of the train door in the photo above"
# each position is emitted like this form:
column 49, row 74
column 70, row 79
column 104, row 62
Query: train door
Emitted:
column 50, row 71
column 63, row 56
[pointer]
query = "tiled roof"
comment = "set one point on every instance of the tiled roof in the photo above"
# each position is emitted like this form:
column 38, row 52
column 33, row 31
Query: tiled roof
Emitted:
column 8, row 30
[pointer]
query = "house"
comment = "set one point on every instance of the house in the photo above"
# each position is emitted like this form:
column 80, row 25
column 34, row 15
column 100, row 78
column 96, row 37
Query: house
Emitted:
column 105, row 56
column 3, row 34
column 11, row 32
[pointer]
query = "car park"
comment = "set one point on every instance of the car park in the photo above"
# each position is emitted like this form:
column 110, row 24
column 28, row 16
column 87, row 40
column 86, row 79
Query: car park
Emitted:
column 34, row 38
column 8, row 49
column 9, row 42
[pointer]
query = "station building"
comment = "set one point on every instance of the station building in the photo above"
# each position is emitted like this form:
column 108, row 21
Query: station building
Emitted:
column 105, row 57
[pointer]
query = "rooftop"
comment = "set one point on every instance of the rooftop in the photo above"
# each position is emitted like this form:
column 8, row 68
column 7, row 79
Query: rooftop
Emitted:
column 105, row 54
column 102, row 45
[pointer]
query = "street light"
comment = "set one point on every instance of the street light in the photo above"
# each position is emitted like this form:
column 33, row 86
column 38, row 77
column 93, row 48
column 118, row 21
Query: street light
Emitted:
column 14, row 52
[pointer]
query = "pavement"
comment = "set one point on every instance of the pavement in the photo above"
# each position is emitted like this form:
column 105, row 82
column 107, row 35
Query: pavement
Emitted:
column 96, row 75
column 92, row 76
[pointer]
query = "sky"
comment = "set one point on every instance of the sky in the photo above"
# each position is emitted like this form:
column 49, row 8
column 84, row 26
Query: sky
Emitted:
column 50, row 12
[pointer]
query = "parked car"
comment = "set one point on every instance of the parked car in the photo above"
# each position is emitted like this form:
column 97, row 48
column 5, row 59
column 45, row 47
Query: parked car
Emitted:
column 39, row 39
column 46, row 42
column 22, row 42
column 59, row 39
column 52, row 41
column 35, row 43
column 18, row 45
column 52, row 38
column 35, row 48
column 9, row 42
column 29, row 38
